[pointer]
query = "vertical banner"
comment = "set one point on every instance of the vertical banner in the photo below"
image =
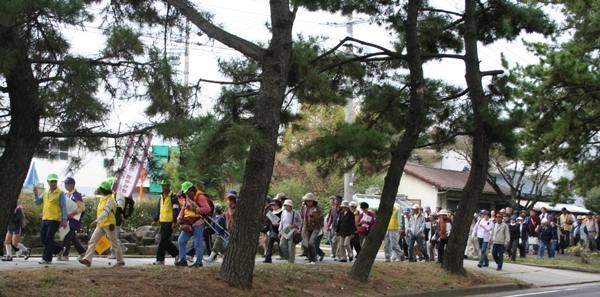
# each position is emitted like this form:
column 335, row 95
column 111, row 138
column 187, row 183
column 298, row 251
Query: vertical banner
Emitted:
column 133, row 162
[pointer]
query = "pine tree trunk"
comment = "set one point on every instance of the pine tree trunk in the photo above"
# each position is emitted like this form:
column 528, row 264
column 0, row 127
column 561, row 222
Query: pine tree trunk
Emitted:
column 23, row 135
column 453, row 259
column 414, row 124
column 238, row 266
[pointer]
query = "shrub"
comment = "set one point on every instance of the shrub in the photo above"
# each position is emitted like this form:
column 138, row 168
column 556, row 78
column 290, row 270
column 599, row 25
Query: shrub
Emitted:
column 32, row 212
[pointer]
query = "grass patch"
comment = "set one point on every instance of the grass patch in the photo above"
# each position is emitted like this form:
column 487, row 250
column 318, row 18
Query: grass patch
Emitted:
column 270, row 280
column 568, row 262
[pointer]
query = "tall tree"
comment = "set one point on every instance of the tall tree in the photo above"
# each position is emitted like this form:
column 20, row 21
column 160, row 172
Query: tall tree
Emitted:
column 47, row 91
column 237, row 269
column 561, row 93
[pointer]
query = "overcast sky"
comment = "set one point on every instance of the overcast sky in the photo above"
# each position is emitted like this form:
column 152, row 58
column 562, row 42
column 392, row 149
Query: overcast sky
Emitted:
column 247, row 19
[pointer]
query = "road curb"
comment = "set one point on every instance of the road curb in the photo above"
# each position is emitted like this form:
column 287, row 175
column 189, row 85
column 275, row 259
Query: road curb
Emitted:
column 571, row 268
column 476, row 290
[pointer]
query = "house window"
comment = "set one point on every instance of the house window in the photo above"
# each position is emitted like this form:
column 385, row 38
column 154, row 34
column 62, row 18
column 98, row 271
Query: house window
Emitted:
column 53, row 149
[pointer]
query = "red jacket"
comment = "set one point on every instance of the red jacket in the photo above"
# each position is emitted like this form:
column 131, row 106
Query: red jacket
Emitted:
column 533, row 223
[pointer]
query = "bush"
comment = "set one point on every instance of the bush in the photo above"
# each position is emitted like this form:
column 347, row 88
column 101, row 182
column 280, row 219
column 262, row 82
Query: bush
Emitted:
column 33, row 213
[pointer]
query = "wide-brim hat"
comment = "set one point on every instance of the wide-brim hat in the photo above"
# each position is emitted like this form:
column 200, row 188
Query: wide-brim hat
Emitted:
column 353, row 203
column 544, row 221
column 288, row 202
column 345, row 204
column 443, row 212
column 415, row 206
column 105, row 185
column 186, row 186
column 309, row 197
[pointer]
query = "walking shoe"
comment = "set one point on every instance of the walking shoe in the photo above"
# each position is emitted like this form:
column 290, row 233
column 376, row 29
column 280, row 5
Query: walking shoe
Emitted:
column 479, row 265
column 332, row 256
column 159, row 263
column 311, row 263
column 267, row 261
column 81, row 256
column 210, row 260
column 119, row 264
column 343, row 261
column 196, row 266
column 45, row 262
column 181, row 263
column 63, row 258
column 7, row 258
column 351, row 259
column 486, row 265
column 321, row 258
column 85, row 262
column 27, row 254
column 60, row 254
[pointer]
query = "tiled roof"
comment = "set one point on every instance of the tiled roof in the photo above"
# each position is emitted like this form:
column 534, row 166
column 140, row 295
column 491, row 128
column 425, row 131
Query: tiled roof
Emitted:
column 446, row 179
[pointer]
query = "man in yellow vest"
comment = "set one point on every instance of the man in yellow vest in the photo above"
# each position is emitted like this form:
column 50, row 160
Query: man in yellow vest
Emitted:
column 391, row 247
column 54, row 215
column 105, row 224
column 166, row 214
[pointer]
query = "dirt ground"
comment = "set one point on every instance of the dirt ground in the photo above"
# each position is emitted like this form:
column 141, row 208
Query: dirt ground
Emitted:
column 269, row 280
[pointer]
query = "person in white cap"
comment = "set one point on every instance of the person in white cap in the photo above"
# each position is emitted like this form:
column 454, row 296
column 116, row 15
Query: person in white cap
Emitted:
column 345, row 228
column 292, row 219
column 548, row 237
column 415, row 233
column 577, row 230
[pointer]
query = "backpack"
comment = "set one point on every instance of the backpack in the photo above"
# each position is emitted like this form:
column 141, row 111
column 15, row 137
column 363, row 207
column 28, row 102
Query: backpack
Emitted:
column 23, row 221
column 124, row 212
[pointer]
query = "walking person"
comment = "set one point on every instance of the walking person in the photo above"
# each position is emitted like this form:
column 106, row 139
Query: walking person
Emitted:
column 499, row 240
column 390, row 241
column 523, row 236
column 191, row 218
column 548, row 237
column 15, row 226
column 105, row 224
column 577, row 230
column 273, row 232
column 484, row 233
column 291, row 219
column 221, row 239
column 515, row 236
column 312, row 219
column 54, row 216
column 433, row 242
column 565, row 224
column 533, row 223
column 167, row 210
column 591, row 231
column 355, row 240
column 415, row 229
column 345, row 229
column 75, row 216
column 445, row 230
column 366, row 220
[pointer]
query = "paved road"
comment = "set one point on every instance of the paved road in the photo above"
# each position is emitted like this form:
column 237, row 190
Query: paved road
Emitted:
column 538, row 276
column 589, row 290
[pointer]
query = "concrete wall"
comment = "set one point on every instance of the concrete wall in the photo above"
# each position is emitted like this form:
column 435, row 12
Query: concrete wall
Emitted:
column 418, row 191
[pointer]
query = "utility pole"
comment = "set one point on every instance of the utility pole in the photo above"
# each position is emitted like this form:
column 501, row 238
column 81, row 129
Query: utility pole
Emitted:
column 186, row 57
column 349, row 118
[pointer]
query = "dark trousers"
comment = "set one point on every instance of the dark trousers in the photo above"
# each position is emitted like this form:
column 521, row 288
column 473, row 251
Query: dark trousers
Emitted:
column 404, row 246
column 355, row 244
column 71, row 237
column 522, row 251
column 498, row 254
column 441, row 249
column 273, row 238
column 564, row 241
column 47, row 232
column 513, row 246
column 165, row 244
column 208, row 239
column 320, row 252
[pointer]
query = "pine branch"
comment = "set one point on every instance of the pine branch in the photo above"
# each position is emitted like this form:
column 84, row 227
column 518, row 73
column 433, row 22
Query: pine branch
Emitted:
column 228, row 82
column 444, row 140
column 92, row 134
column 244, row 46
column 343, row 41
column 466, row 91
column 442, row 11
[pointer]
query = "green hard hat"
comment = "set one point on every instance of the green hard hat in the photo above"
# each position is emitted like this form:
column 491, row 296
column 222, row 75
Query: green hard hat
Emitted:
column 186, row 186
column 106, row 184
column 52, row 177
column 165, row 182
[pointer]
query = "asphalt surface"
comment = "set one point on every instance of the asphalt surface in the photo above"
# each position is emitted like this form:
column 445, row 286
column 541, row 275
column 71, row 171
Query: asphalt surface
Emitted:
column 585, row 290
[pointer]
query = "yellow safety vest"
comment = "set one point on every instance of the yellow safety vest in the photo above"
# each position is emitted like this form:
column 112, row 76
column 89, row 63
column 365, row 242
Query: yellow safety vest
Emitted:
column 166, row 208
column 51, row 210
column 111, row 219
column 393, row 225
